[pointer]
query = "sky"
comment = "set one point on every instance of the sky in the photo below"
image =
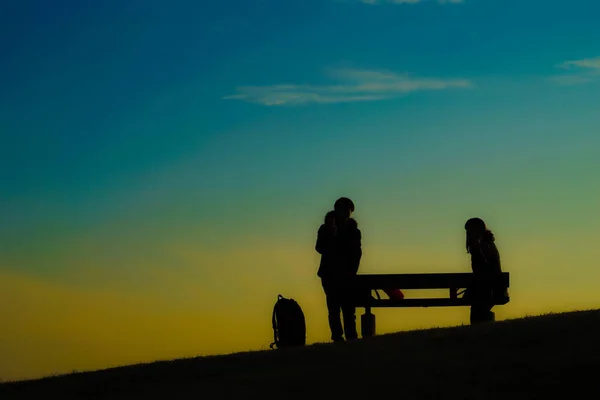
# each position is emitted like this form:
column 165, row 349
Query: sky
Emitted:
column 164, row 168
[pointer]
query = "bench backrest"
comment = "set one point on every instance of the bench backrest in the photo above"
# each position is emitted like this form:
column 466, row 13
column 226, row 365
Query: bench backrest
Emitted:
column 422, row 281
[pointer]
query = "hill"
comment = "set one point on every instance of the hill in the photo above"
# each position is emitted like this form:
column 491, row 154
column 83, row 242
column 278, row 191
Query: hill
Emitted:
column 551, row 356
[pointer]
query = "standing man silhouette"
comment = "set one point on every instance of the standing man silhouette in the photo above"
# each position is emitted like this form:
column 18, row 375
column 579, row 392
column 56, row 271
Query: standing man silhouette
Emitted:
column 339, row 243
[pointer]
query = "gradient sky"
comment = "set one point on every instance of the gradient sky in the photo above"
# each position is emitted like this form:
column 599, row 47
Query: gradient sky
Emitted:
column 164, row 168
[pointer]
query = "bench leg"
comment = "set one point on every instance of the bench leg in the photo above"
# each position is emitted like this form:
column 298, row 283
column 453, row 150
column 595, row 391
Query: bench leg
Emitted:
column 367, row 324
column 481, row 316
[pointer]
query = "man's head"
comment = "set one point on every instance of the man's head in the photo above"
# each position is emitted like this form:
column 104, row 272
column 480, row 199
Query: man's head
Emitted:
column 344, row 207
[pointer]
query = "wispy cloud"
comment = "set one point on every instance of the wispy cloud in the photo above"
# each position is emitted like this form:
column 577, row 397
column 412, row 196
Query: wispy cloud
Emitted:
column 353, row 85
column 583, row 71
column 589, row 63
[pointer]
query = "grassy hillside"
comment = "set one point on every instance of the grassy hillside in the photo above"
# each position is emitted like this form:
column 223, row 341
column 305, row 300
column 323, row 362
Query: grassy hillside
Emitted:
column 552, row 356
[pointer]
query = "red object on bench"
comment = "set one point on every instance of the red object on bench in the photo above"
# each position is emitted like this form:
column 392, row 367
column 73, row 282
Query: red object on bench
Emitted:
column 394, row 294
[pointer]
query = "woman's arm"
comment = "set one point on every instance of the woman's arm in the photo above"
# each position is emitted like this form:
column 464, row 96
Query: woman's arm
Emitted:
column 324, row 240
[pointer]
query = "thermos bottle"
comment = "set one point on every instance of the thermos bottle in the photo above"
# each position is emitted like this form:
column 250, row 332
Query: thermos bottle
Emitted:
column 394, row 294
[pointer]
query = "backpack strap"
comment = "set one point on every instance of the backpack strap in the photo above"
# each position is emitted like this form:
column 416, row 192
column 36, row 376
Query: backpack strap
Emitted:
column 274, row 331
column 274, row 323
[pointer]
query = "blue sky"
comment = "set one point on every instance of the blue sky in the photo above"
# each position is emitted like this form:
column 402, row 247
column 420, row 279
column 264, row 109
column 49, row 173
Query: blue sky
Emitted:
column 130, row 129
column 239, row 99
column 110, row 92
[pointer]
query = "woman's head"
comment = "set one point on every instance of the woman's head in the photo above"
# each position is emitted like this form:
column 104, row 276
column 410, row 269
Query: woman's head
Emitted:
column 330, row 217
column 475, row 226
column 477, row 232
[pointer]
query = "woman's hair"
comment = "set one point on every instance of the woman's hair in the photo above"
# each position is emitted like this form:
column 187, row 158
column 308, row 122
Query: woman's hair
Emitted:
column 330, row 214
column 479, row 225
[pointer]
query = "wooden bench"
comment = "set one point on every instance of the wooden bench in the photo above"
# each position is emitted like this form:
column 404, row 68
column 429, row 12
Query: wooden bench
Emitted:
column 364, row 285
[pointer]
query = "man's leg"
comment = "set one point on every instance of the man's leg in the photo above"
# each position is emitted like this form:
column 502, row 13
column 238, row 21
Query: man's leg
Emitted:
column 349, row 313
column 332, row 297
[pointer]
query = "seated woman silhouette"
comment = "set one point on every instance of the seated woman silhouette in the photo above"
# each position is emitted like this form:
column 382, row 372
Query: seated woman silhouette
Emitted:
column 486, row 266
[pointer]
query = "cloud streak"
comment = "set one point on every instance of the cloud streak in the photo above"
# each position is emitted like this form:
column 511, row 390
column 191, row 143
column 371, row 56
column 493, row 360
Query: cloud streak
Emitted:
column 586, row 70
column 352, row 85
column 588, row 63
column 373, row 2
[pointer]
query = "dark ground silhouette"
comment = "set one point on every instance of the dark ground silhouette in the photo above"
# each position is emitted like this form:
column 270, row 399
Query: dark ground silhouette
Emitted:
column 553, row 356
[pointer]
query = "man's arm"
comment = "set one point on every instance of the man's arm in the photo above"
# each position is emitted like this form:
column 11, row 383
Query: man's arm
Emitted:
column 356, row 251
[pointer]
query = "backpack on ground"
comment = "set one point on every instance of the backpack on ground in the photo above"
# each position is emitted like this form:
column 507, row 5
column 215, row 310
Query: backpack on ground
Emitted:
column 289, row 325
